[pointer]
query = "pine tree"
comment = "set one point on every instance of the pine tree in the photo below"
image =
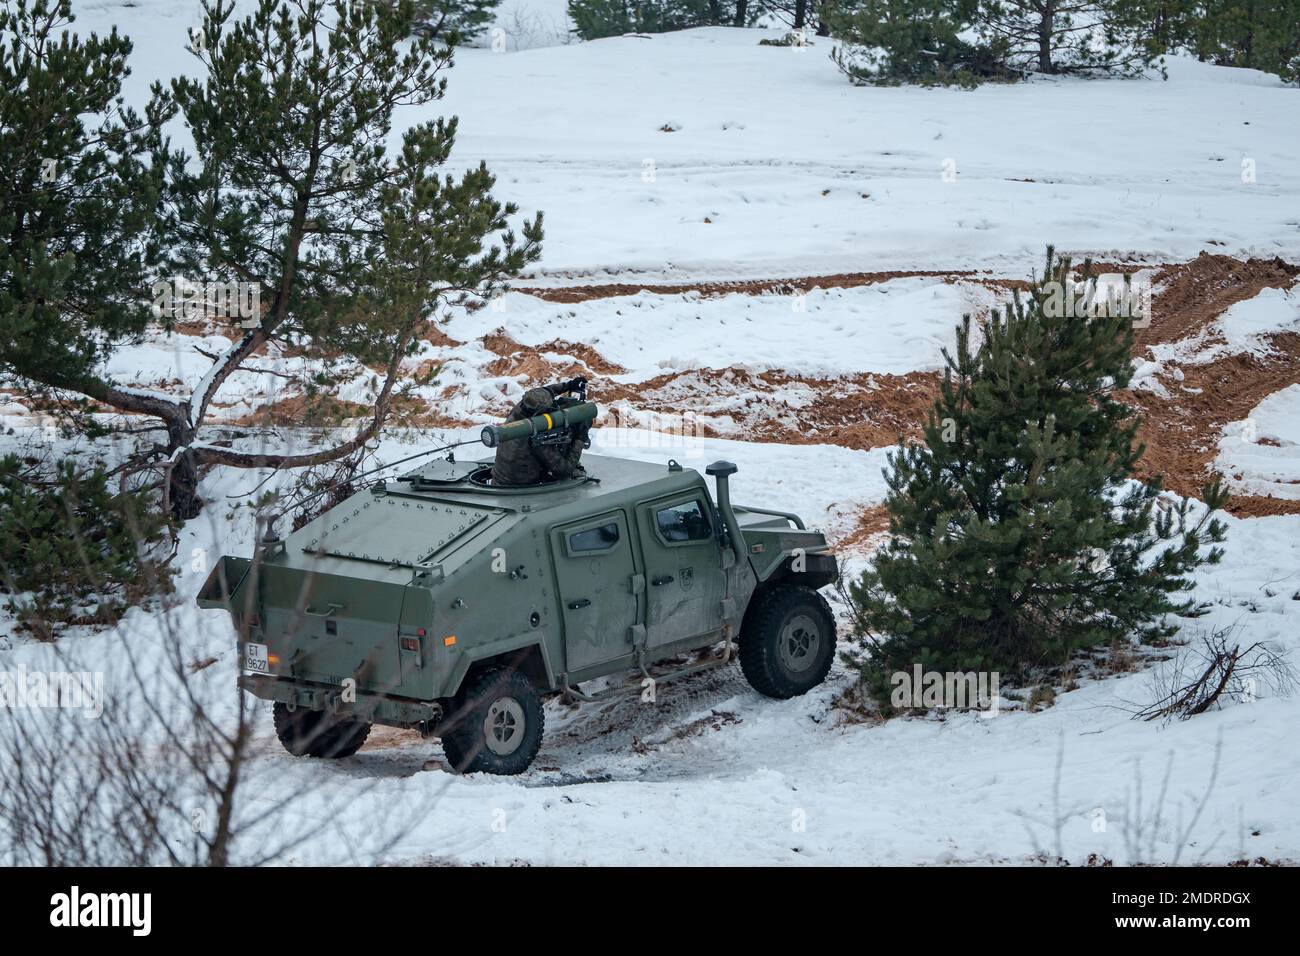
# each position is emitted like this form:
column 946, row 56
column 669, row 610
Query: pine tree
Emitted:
column 1164, row 26
column 1069, row 36
column 594, row 19
column 795, row 13
column 1017, row 536
column 887, row 42
column 296, row 192
column 71, row 548
column 81, row 180
column 454, row 21
column 1258, row 34
column 293, row 194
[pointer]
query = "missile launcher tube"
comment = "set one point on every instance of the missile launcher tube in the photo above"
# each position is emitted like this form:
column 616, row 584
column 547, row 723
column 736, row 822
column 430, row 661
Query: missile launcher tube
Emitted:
column 566, row 417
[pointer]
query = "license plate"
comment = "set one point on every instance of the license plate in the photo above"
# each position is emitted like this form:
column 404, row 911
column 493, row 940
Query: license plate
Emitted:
column 255, row 658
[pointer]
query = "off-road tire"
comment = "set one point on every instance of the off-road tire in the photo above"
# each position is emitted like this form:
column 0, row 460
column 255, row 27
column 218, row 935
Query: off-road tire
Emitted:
column 507, row 699
column 787, row 641
column 315, row 733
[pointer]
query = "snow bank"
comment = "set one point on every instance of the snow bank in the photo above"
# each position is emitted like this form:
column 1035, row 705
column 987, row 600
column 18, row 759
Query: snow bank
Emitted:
column 1261, row 454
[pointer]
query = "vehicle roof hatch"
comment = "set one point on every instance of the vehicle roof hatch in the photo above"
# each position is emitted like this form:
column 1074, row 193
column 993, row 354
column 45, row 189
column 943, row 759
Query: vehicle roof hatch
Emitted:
column 396, row 531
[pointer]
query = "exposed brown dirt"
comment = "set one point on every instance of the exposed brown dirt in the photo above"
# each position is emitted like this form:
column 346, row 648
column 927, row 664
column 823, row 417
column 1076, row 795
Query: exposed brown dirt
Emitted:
column 867, row 411
column 532, row 366
column 790, row 286
column 585, row 354
column 409, row 411
column 1193, row 294
column 434, row 335
column 199, row 328
column 1182, row 431
column 499, row 341
column 321, row 411
column 872, row 521
column 516, row 359
column 406, row 411
column 895, row 407
column 860, row 411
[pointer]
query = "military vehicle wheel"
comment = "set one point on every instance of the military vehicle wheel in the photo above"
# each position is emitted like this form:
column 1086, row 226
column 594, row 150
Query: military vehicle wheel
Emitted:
column 496, row 725
column 787, row 641
column 314, row 733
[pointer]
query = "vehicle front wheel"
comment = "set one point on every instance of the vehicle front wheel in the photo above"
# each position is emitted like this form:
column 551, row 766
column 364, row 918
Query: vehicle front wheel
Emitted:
column 495, row 725
column 314, row 733
column 787, row 641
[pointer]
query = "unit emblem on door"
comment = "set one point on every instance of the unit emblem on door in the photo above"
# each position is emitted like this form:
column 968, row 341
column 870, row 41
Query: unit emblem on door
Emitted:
column 687, row 577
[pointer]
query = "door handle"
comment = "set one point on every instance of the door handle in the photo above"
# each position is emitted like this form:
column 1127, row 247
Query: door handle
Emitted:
column 329, row 610
column 580, row 603
column 662, row 579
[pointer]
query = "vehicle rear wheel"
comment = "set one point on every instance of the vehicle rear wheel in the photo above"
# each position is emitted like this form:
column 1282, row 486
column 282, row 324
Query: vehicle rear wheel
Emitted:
column 787, row 641
column 496, row 724
column 315, row 733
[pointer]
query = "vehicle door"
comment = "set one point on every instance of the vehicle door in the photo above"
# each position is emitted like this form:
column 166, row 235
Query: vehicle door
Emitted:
column 683, row 568
column 600, row 594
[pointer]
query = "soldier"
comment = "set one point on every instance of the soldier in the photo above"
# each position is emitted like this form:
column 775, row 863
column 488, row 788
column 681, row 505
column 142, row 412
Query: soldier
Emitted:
column 547, row 457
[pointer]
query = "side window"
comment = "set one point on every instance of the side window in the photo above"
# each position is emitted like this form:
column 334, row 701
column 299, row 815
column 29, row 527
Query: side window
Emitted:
column 594, row 539
column 684, row 522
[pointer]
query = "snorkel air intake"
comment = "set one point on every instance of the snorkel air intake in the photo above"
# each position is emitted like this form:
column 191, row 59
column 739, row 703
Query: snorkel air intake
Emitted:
column 720, row 471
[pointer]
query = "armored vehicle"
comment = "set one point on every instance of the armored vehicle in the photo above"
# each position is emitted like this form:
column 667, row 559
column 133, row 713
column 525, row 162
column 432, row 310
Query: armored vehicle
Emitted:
column 444, row 604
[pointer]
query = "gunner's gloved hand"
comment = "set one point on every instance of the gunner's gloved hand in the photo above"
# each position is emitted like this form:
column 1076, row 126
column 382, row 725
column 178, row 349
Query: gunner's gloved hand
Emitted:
column 563, row 388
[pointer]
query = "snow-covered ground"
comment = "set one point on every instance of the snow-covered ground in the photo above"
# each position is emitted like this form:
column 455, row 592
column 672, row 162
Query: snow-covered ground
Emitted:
column 715, row 773
column 800, row 173
column 1262, row 453
column 701, row 155
column 893, row 327
column 1244, row 329
column 527, row 24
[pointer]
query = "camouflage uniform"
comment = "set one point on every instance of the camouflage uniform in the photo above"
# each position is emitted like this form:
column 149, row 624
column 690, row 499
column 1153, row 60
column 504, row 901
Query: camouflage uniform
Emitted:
column 527, row 462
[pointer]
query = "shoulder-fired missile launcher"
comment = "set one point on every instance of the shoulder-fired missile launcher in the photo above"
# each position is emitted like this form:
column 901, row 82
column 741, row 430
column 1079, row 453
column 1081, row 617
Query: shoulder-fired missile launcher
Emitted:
column 441, row 603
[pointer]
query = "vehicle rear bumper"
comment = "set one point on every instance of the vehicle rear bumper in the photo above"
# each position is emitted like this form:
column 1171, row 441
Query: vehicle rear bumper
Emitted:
column 377, row 708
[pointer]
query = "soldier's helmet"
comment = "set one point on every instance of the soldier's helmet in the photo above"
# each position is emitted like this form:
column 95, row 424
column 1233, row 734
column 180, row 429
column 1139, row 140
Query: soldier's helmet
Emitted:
column 537, row 400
